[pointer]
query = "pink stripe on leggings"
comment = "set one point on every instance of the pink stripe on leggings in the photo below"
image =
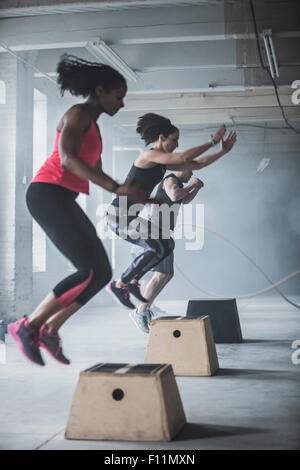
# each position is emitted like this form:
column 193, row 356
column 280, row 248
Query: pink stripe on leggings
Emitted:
column 68, row 297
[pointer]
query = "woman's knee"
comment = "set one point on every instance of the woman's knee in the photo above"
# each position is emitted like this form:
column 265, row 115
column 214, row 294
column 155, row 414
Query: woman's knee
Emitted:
column 171, row 244
column 163, row 278
column 161, row 248
column 168, row 247
column 102, row 274
column 108, row 275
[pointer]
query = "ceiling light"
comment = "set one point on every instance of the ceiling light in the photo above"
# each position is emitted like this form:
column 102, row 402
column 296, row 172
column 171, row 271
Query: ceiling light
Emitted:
column 263, row 165
column 100, row 50
column 267, row 36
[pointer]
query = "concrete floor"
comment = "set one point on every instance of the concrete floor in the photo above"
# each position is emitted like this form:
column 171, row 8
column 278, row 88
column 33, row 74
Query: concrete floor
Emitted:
column 253, row 402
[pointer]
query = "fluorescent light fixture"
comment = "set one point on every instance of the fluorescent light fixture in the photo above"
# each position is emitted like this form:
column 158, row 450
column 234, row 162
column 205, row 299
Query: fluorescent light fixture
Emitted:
column 42, row 75
column 262, row 165
column 267, row 36
column 100, row 50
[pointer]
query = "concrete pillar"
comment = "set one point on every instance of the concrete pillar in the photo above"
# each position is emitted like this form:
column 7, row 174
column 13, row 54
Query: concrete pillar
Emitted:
column 8, row 66
column 23, row 220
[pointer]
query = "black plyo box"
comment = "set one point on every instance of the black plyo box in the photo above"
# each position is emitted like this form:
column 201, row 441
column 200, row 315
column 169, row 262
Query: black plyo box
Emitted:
column 224, row 318
column 106, row 367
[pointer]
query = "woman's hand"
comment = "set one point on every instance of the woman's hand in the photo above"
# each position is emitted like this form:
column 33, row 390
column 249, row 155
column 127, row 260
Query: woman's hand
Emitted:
column 219, row 134
column 227, row 144
column 197, row 183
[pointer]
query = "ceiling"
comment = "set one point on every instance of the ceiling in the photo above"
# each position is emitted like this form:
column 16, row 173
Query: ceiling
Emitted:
column 196, row 61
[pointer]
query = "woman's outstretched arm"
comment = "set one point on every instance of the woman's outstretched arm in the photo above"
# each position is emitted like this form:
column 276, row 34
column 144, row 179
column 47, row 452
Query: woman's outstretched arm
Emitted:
column 225, row 147
column 180, row 160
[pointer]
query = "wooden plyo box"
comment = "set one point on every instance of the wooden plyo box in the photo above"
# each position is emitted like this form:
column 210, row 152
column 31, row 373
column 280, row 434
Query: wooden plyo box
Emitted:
column 138, row 402
column 185, row 343
column 224, row 317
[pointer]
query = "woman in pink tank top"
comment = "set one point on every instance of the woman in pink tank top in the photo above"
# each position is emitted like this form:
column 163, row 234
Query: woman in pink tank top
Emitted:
column 51, row 200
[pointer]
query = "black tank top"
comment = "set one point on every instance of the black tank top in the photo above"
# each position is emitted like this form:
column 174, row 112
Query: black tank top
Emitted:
column 162, row 195
column 148, row 178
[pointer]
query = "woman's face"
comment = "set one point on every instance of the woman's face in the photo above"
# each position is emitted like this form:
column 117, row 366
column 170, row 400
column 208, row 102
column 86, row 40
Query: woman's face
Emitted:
column 170, row 143
column 111, row 101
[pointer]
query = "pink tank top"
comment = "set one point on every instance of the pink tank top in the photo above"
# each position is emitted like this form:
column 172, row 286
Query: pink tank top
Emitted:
column 52, row 171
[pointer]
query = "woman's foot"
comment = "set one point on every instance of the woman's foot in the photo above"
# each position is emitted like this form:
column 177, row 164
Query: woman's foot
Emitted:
column 150, row 316
column 141, row 320
column 134, row 288
column 27, row 338
column 52, row 344
column 121, row 294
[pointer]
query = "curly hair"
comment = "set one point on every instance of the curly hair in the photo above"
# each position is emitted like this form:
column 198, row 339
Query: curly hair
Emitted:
column 151, row 125
column 80, row 77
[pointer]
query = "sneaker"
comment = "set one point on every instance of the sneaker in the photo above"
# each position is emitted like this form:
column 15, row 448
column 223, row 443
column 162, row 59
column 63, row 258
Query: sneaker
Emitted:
column 150, row 316
column 140, row 319
column 27, row 338
column 121, row 294
column 134, row 289
column 52, row 344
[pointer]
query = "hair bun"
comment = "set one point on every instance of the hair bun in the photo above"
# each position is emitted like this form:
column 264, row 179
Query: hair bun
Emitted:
column 151, row 125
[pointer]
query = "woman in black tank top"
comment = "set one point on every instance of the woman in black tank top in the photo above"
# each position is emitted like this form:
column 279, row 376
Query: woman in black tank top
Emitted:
column 148, row 170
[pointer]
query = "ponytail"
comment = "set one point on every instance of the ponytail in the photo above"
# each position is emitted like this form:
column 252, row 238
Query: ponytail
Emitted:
column 81, row 77
column 151, row 125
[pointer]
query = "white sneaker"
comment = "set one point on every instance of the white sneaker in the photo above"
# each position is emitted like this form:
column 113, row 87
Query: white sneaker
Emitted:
column 150, row 316
column 140, row 319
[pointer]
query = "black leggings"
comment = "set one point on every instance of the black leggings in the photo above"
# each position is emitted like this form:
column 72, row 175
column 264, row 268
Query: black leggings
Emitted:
column 155, row 249
column 65, row 223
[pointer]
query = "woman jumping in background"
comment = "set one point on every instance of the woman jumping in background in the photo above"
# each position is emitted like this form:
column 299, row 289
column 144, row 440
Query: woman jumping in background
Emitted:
column 51, row 200
column 148, row 170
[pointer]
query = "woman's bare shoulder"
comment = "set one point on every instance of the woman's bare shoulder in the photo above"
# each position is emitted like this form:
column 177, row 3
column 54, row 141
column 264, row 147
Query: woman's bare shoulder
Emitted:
column 77, row 112
column 144, row 160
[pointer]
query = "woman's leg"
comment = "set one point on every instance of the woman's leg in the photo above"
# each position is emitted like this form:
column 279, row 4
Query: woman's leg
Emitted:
column 74, row 235
column 56, row 211
column 153, row 288
column 155, row 250
column 136, row 230
column 143, row 315
column 51, row 313
column 49, row 307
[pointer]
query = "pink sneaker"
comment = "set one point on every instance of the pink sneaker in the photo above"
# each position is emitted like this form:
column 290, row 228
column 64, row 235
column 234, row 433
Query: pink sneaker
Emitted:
column 52, row 344
column 27, row 338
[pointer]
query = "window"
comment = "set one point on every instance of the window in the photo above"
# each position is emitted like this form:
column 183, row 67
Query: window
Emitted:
column 39, row 156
